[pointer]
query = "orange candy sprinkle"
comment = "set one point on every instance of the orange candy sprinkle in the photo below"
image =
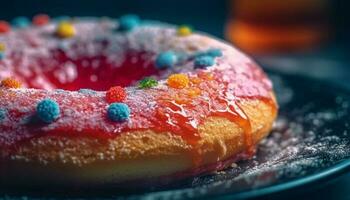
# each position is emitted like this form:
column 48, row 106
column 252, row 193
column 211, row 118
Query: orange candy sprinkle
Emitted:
column 115, row 94
column 41, row 19
column 4, row 27
column 178, row 81
column 10, row 83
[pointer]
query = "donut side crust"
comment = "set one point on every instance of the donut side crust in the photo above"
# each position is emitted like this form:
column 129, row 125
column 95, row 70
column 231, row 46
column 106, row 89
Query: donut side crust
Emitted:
column 132, row 155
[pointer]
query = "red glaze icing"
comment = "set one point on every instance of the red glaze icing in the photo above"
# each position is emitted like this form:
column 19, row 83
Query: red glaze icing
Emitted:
column 4, row 27
column 41, row 19
column 93, row 77
column 213, row 92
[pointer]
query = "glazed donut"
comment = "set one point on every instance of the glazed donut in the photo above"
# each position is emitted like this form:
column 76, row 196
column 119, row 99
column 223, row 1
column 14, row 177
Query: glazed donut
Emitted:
column 99, row 101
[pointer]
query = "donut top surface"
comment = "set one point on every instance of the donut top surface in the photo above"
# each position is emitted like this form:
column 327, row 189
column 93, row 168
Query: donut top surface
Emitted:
column 102, row 77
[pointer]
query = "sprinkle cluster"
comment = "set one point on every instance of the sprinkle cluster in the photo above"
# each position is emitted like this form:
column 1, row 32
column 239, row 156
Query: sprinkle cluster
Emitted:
column 117, row 111
column 48, row 110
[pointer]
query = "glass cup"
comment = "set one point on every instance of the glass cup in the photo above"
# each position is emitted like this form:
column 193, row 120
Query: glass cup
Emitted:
column 265, row 26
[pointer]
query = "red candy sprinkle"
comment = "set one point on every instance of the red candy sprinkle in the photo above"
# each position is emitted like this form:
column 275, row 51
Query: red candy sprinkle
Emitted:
column 4, row 27
column 115, row 94
column 41, row 19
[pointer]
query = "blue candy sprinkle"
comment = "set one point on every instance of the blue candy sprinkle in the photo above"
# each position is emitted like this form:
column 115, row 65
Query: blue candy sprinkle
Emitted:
column 128, row 22
column 2, row 55
column 214, row 52
column 3, row 114
column 87, row 91
column 166, row 59
column 47, row 110
column 118, row 112
column 21, row 22
column 203, row 61
column 211, row 52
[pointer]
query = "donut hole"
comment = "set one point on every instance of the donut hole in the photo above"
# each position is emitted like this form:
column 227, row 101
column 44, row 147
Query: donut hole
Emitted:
column 97, row 72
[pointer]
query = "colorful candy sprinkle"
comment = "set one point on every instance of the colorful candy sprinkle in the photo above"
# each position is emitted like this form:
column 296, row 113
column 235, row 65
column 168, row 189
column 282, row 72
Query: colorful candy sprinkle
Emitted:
column 178, row 81
column 115, row 94
column 148, row 82
column 213, row 53
column 118, row 112
column 4, row 27
column 41, row 19
column 21, row 22
column 3, row 114
column 203, row 61
column 128, row 22
column 166, row 59
column 10, row 83
column 47, row 110
column 65, row 30
column 184, row 30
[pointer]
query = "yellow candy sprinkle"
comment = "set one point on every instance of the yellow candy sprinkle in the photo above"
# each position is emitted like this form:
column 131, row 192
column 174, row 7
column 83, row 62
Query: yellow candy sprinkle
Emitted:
column 10, row 83
column 178, row 81
column 2, row 47
column 184, row 31
column 65, row 30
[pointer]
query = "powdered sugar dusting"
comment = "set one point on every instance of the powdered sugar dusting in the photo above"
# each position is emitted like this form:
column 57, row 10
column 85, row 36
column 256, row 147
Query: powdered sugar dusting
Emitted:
column 38, row 51
column 99, row 57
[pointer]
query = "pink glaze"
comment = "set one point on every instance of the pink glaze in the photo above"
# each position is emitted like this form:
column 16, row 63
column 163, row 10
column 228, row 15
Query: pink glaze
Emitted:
column 91, row 62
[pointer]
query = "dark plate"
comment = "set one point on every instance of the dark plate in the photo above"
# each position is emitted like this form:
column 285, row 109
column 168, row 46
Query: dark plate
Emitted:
column 310, row 144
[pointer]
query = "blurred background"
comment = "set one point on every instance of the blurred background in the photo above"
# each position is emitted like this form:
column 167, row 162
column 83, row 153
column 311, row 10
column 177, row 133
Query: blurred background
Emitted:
column 307, row 37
